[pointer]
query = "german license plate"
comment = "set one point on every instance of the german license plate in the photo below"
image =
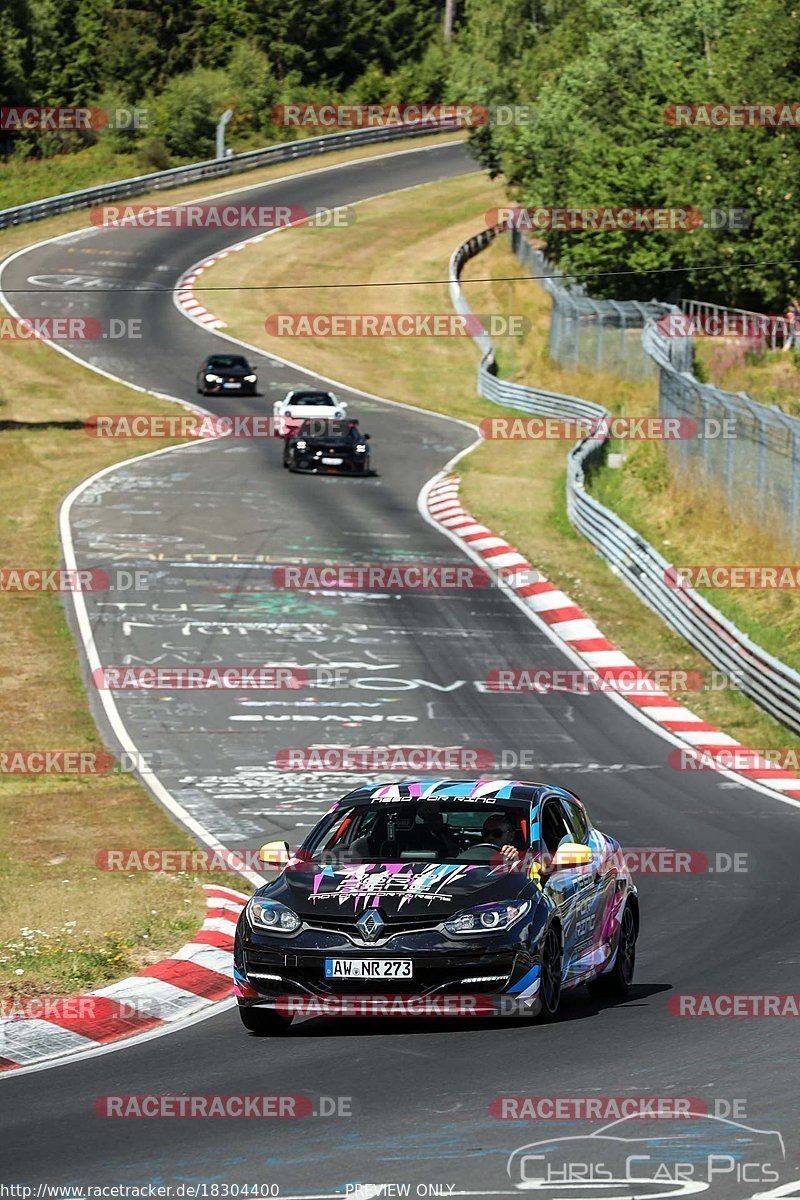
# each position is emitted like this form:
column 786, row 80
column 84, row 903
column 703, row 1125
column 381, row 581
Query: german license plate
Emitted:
column 368, row 968
column 332, row 462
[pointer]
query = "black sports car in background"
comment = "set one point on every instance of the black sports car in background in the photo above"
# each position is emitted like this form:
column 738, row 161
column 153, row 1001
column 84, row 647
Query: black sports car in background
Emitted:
column 327, row 448
column 497, row 893
column 226, row 373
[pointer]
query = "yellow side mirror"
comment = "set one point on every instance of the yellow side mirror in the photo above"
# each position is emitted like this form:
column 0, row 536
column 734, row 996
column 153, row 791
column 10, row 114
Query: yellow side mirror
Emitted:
column 274, row 854
column 571, row 854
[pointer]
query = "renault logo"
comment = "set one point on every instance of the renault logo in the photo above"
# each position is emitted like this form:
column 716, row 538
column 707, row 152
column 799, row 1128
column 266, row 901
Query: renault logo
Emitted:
column 370, row 925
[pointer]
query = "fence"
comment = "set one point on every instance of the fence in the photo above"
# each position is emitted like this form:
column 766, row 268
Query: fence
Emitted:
column 234, row 165
column 777, row 330
column 750, row 451
column 600, row 335
column 773, row 685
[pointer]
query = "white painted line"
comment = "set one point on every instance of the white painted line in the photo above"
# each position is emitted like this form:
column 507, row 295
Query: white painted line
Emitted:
column 544, row 601
column 607, row 658
column 576, row 630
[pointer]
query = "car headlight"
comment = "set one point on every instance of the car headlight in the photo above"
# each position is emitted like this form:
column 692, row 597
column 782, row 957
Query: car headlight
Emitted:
column 250, row 378
column 361, row 448
column 301, row 445
column 213, row 378
column 338, row 413
column 272, row 915
column 487, row 918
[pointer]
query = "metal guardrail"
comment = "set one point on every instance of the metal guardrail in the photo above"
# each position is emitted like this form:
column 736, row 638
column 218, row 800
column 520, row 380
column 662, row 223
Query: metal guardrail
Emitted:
column 281, row 152
column 771, row 684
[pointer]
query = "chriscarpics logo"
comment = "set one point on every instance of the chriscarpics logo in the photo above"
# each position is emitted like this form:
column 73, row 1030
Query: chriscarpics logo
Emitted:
column 634, row 1159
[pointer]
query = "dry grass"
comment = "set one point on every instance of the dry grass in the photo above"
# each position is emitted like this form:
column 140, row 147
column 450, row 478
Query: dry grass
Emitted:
column 515, row 487
column 737, row 365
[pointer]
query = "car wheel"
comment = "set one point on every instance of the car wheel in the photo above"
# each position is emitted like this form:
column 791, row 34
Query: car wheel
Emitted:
column 263, row 1021
column 617, row 981
column 550, row 975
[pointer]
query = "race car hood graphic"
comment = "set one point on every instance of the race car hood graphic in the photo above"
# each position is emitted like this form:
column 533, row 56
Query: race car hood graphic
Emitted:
column 411, row 889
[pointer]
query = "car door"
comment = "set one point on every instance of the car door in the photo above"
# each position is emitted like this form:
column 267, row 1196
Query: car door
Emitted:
column 594, row 903
column 561, row 886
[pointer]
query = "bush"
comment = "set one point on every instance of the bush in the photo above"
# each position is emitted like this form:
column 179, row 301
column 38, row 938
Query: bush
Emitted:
column 254, row 90
column 153, row 154
column 187, row 111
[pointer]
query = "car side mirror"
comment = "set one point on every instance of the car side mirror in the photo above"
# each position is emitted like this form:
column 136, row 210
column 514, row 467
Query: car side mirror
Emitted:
column 275, row 855
column 571, row 854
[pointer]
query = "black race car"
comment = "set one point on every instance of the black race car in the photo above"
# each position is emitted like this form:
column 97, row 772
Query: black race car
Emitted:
column 226, row 373
column 489, row 895
column 322, row 447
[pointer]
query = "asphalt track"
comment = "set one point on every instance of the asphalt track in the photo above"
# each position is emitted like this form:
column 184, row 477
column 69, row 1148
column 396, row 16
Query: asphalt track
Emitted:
column 208, row 524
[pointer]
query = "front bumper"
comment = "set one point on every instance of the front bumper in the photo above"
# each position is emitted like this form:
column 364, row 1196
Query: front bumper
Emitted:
column 469, row 1005
column 219, row 389
column 500, row 979
column 311, row 466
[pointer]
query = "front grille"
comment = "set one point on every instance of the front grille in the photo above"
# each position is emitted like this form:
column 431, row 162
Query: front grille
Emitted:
column 392, row 926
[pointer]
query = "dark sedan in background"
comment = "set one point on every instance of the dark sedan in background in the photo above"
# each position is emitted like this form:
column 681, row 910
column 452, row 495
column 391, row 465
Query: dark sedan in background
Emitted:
column 221, row 373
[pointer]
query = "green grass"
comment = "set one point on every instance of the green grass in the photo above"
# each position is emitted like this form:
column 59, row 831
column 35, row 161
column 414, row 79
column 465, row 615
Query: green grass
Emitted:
column 25, row 180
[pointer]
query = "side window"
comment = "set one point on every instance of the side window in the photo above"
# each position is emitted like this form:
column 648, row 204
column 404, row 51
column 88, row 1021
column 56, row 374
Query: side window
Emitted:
column 576, row 819
column 554, row 827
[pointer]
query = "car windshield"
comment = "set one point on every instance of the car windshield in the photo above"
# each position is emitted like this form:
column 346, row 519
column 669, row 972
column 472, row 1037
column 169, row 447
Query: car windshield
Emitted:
column 332, row 431
column 449, row 830
column 225, row 362
column 312, row 400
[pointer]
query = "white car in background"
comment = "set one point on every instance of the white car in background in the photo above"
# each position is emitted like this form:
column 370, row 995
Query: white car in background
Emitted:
column 302, row 404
